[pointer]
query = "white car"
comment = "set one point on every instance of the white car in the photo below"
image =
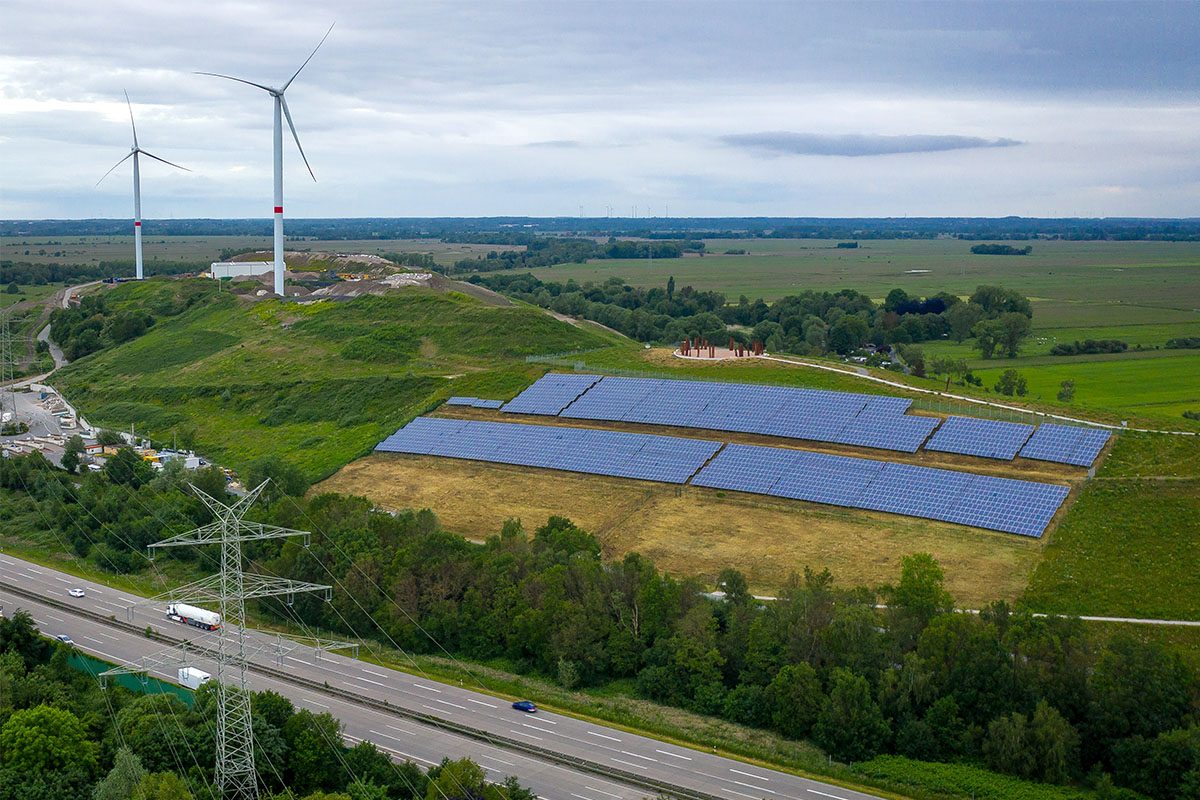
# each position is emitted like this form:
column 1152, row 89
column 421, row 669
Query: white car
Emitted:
column 76, row 592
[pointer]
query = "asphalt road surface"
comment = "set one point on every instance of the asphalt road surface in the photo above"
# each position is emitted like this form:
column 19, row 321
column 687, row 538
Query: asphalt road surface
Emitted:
column 405, row 738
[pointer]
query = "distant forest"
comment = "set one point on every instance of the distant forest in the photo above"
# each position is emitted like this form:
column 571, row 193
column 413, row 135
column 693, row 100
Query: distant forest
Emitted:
column 451, row 228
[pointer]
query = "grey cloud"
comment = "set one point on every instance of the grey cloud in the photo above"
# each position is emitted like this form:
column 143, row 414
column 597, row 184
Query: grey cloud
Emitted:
column 557, row 144
column 855, row 144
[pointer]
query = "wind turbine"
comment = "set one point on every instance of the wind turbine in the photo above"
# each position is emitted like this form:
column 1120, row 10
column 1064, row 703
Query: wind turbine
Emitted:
column 137, row 187
column 281, row 110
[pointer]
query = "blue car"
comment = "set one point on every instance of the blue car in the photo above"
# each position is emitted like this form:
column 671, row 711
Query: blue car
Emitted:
column 525, row 705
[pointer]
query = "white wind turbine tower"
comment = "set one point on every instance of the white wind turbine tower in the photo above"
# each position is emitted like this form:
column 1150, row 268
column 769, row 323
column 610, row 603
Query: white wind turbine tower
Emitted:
column 281, row 110
column 137, row 188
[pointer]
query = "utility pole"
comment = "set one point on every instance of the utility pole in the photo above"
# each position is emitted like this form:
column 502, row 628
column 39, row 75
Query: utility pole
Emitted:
column 236, row 777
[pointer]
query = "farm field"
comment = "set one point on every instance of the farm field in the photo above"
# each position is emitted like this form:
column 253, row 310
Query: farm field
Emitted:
column 695, row 531
column 192, row 249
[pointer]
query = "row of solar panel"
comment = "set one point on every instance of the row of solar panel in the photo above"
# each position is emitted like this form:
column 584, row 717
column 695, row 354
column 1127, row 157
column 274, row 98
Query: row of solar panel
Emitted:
column 816, row 415
column 474, row 402
column 813, row 414
column 982, row 501
column 628, row 455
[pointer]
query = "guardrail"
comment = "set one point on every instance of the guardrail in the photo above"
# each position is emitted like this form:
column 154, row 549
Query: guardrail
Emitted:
column 583, row 765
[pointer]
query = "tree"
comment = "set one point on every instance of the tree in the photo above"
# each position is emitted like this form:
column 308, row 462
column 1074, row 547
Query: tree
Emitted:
column 962, row 317
column 128, row 468
column 107, row 438
column 919, row 597
column 670, row 287
column 455, row 780
column 1066, row 391
column 1011, row 381
column 13, row 288
column 74, row 448
column 312, row 762
column 126, row 773
column 286, row 478
column 850, row 726
column 161, row 786
column 848, row 334
column 1013, row 328
column 1043, row 747
column 45, row 740
column 795, row 697
column 987, row 335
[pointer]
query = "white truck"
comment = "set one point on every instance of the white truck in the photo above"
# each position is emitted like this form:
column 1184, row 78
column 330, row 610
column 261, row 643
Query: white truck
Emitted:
column 196, row 617
column 192, row 677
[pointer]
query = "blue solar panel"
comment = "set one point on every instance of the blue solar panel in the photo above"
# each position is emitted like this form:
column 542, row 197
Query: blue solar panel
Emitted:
column 1012, row 506
column 980, row 437
column 1001, row 504
column 746, row 468
column 488, row 403
column 834, row 480
column 550, row 394
column 1065, row 444
column 887, row 432
column 462, row 401
column 632, row 455
column 915, row 491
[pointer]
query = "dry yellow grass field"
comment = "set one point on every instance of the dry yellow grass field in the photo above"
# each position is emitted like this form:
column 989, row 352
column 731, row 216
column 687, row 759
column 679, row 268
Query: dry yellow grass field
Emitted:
column 696, row 531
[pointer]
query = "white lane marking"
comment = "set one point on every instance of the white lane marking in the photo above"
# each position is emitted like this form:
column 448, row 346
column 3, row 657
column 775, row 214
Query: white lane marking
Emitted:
column 601, row 791
column 743, row 794
column 386, row 736
column 428, row 688
column 56, row 619
column 448, row 703
column 635, row 755
column 749, row 774
column 582, row 796
column 674, row 755
column 536, row 728
column 368, row 680
column 301, row 660
column 315, row 703
column 741, row 783
column 547, row 721
column 90, row 639
column 626, row 763
column 400, row 730
column 373, row 672
column 481, row 703
column 10, row 563
column 511, row 764
column 523, row 733
column 61, row 580
column 602, row 736
column 825, row 794
column 34, row 571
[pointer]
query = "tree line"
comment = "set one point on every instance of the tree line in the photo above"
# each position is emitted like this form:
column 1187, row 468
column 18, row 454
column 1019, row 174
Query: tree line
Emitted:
column 1042, row 698
column 63, row 737
column 543, row 251
column 809, row 323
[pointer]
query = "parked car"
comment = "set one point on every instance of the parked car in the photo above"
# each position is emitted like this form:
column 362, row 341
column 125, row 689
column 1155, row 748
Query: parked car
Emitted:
column 525, row 705
column 76, row 592
column 62, row 637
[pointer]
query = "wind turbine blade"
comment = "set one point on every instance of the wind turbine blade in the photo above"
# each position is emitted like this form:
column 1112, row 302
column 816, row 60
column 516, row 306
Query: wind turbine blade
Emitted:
column 135, row 144
column 119, row 163
column 288, row 114
column 310, row 55
column 163, row 160
column 239, row 80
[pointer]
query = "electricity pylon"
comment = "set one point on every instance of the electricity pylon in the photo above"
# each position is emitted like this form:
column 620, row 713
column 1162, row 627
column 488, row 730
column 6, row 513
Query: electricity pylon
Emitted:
column 8, row 400
column 230, row 588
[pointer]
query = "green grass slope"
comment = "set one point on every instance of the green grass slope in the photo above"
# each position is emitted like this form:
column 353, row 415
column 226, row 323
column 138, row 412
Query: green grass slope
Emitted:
column 319, row 384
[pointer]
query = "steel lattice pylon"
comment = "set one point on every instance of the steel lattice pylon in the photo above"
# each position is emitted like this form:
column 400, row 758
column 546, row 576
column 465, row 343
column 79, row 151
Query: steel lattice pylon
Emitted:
column 8, row 400
column 236, row 777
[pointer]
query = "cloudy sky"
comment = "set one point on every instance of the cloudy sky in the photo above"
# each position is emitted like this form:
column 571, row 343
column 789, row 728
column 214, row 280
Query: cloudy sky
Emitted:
column 683, row 108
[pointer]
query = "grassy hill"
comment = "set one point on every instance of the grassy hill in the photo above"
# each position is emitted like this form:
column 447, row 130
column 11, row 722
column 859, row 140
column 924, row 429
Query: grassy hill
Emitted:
column 318, row 384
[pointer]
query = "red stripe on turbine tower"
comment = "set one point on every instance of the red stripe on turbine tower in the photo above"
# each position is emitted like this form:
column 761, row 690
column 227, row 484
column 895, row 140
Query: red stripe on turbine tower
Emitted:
column 137, row 224
column 278, row 209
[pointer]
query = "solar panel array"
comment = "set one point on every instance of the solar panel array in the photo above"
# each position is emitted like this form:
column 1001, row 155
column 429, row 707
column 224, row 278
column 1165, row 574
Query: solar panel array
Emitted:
column 1002, row 504
column 628, row 455
column 813, row 414
column 474, row 402
column 550, row 394
column 1066, row 444
column 980, row 437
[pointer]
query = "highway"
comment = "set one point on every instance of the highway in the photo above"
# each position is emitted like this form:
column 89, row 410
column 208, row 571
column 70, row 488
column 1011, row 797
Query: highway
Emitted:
column 629, row 762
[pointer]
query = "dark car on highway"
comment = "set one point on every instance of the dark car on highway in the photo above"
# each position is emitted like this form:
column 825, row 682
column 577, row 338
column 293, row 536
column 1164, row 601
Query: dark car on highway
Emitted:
column 525, row 705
